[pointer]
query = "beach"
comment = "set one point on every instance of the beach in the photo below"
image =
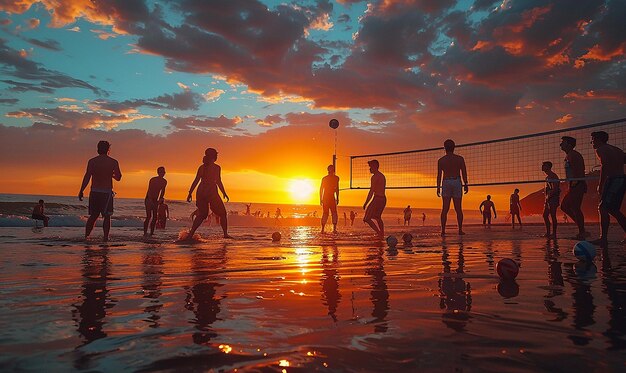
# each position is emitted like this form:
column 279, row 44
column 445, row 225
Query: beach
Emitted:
column 344, row 302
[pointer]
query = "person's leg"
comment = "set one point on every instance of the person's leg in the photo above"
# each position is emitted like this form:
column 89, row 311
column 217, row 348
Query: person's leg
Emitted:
column 106, row 227
column 45, row 221
column 154, row 219
column 621, row 219
column 484, row 219
column 91, row 222
column 459, row 213
column 381, row 226
column 489, row 221
column 324, row 216
column 554, row 220
column 444, row 213
column 224, row 224
column 335, row 216
column 148, row 216
column 372, row 225
column 203, row 213
column 546, row 220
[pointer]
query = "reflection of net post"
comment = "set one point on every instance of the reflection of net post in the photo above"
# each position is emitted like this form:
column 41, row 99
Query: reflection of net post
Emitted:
column 507, row 161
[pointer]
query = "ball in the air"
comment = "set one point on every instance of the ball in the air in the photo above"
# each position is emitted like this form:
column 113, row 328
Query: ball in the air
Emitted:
column 334, row 124
column 507, row 269
column 584, row 250
column 392, row 241
column 276, row 236
column 407, row 238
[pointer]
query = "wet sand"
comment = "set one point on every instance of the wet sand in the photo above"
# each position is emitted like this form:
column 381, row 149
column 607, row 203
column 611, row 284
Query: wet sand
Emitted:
column 341, row 302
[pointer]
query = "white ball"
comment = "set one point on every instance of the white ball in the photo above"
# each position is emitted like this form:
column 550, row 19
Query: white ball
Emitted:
column 392, row 241
column 584, row 250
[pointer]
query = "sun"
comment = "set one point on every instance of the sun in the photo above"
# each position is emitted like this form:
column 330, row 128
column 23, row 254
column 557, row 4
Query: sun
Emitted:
column 301, row 190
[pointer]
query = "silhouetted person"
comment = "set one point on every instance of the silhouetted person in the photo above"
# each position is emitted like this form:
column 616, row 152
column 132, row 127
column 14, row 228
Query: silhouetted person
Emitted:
column 378, row 199
column 552, row 192
column 156, row 192
column 573, row 199
column 612, row 184
column 101, row 170
column 485, row 210
column 248, row 209
column 407, row 215
column 423, row 219
column 329, row 197
column 352, row 217
column 38, row 213
column 163, row 213
column 451, row 167
column 278, row 213
column 515, row 208
column 210, row 179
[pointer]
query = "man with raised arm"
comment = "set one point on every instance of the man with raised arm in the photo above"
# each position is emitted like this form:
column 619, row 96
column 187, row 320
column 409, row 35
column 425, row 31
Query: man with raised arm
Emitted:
column 101, row 170
column 378, row 199
column 450, row 168
column 612, row 184
column 575, row 173
column 329, row 197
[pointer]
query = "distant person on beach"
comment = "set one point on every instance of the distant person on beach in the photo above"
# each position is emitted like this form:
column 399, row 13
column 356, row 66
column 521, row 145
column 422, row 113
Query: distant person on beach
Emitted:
column 329, row 197
column 38, row 213
column 279, row 214
column 612, row 185
column 207, row 197
column 101, row 170
column 352, row 217
column 163, row 213
column 423, row 219
column 450, row 168
column 378, row 199
column 515, row 208
column 552, row 192
column 485, row 210
column 407, row 215
column 573, row 199
column 248, row 208
column 156, row 192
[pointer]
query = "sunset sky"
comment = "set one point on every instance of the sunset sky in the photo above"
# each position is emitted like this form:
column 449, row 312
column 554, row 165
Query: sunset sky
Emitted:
column 259, row 81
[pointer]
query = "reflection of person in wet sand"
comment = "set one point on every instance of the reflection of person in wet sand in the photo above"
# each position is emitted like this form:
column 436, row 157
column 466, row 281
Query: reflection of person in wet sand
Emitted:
column 612, row 184
column 553, row 192
column 515, row 207
column 451, row 167
column 352, row 217
column 101, row 170
column 407, row 215
column 378, row 199
column 156, row 192
column 329, row 197
column 207, row 196
column 485, row 210
column 38, row 213
column 163, row 213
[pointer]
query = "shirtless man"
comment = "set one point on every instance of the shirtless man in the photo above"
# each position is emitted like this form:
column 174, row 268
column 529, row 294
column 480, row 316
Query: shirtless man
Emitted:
column 378, row 199
column 452, row 167
column 553, row 193
column 156, row 192
column 485, row 210
column 101, row 170
column 515, row 208
column 407, row 215
column 612, row 184
column 329, row 197
column 573, row 199
column 38, row 213
column 209, row 176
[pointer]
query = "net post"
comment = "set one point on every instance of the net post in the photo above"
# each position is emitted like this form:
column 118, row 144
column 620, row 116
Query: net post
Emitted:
column 351, row 158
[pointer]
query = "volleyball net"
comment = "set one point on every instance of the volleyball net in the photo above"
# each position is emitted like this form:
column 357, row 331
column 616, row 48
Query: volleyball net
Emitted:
column 512, row 160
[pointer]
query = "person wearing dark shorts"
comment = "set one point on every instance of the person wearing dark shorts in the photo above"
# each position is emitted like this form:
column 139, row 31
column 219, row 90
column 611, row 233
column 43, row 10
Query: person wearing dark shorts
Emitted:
column 374, row 211
column 207, row 197
column 101, row 170
column 553, row 192
column 38, row 213
column 574, row 165
column 156, row 192
column 612, row 185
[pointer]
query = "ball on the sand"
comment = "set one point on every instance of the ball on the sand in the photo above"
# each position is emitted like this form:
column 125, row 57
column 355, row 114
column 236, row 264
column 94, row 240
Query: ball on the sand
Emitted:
column 507, row 269
column 585, row 251
column 407, row 237
column 276, row 236
column 392, row 241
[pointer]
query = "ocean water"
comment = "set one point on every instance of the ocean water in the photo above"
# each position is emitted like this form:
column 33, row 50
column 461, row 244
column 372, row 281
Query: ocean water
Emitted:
column 310, row 302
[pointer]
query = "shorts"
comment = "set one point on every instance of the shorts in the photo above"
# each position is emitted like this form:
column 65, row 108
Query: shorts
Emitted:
column 39, row 217
column 574, row 195
column 552, row 203
column 514, row 211
column 101, row 203
column 151, row 204
column 212, row 201
column 332, row 206
column 452, row 188
column 613, row 193
column 375, row 208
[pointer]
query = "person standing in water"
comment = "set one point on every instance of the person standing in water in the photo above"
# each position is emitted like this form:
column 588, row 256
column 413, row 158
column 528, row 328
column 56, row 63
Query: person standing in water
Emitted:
column 38, row 213
column 376, row 195
column 207, row 196
column 156, row 192
column 329, row 197
column 450, row 168
column 485, row 210
column 407, row 215
column 163, row 213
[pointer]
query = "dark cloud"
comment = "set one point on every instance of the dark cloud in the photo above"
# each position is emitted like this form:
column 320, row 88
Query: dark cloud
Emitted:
column 50, row 44
column 75, row 119
column 201, row 121
column 186, row 100
column 344, row 18
column 8, row 101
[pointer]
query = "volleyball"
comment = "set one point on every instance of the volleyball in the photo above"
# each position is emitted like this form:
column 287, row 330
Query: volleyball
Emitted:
column 507, row 269
column 407, row 238
column 584, row 250
column 392, row 241
column 276, row 236
column 334, row 124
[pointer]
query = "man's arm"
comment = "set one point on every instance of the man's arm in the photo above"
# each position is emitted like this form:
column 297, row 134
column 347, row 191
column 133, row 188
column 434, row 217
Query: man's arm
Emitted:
column 337, row 191
column 321, row 192
column 86, row 179
column 602, row 156
column 369, row 197
column 193, row 185
column 480, row 208
column 167, row 212
column 219, row 183
column 162, row 193
column 117, row 174
column 493, row 206
column 439, row 171
column 464, row 175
